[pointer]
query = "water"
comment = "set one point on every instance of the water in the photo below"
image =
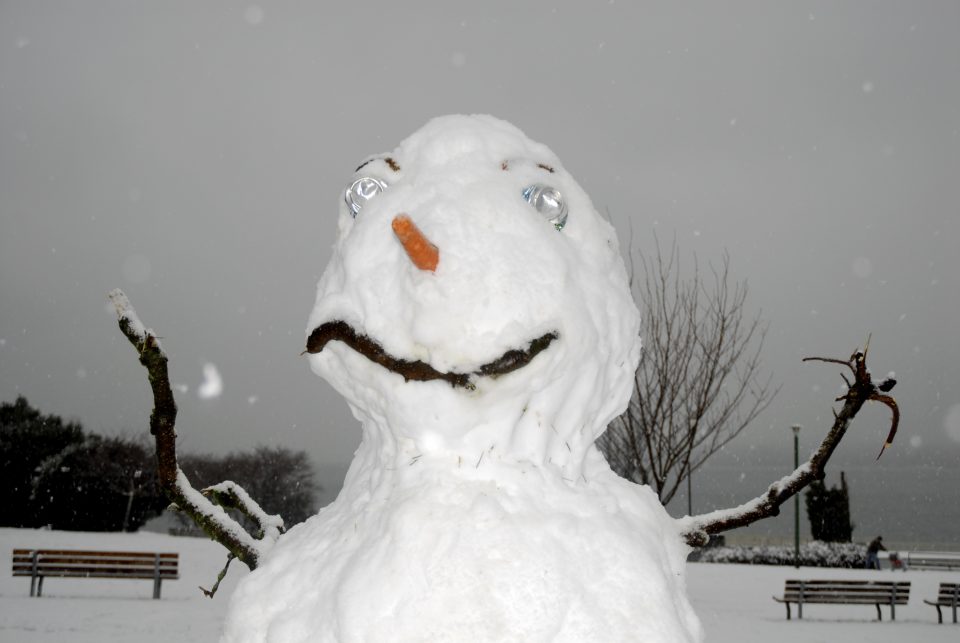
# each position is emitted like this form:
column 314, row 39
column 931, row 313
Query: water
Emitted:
column 913, row 507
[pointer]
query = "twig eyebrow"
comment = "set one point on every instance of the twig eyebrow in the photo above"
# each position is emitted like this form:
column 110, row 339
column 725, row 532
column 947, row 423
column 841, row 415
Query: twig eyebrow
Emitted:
column 392, row 164
column 505, row 165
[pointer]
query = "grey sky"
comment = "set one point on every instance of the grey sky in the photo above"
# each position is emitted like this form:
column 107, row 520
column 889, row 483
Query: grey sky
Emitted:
column 194, row 153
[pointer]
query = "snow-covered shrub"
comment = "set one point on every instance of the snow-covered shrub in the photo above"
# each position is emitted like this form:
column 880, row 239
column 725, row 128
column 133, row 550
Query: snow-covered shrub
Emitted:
column 812, row 554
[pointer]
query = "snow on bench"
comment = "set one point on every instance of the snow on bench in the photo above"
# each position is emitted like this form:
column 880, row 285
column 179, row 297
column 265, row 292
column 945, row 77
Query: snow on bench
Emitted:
column 948, row 596
column 845, row 592
column 41, row 563
column 931, row 559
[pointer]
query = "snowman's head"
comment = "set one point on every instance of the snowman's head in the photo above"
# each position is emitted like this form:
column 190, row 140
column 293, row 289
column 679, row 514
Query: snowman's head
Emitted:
column 513, row 333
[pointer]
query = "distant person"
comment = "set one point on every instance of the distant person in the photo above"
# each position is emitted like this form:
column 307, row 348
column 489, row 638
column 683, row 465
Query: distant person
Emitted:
column 895, row 562
column 873, row 560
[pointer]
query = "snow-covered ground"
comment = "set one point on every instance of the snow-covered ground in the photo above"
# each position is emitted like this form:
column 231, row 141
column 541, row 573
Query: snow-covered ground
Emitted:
column 732, row 600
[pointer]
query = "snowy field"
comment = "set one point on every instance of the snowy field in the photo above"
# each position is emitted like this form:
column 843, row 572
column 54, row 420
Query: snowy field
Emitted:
column 732, row 600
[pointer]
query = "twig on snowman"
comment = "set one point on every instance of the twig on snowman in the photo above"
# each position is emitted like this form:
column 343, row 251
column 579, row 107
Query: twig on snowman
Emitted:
column 206, row 509
column 697, row 530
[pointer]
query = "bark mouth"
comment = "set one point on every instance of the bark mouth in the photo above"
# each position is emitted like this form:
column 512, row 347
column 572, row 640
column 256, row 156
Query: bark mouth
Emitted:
column 419, row 371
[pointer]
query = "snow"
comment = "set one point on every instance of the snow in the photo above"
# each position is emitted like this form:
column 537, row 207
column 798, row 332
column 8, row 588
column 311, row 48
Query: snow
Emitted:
column 692, row 523
column 951, row 422
column 212, row 385
column 124, row 310
column 272, row 525
column 253, row 15
column 480, row 513
column 750, row 614
column 733, row 601
column 217, row 514
column 862, row 267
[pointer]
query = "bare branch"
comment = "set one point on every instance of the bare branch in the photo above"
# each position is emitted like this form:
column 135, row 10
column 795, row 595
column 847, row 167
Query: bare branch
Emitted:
column 699, row 382
column 697, row 529
column 832, row 360
column 209, row 593
column 894, row 422
column 213, row 520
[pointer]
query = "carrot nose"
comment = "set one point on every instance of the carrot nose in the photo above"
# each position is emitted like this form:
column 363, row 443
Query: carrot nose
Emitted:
column 422, row 253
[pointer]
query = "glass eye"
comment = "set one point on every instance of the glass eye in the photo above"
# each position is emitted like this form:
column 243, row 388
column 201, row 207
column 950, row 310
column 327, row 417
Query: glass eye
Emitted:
column 361, row 191
column 549, row 202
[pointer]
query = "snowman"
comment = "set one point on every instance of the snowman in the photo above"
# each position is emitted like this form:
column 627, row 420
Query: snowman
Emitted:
column 477, row 317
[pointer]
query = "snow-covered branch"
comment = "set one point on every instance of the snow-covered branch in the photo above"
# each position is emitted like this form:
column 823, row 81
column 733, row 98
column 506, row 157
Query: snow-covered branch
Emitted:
column 212, row 519
column 230, row 495
column 697, row 529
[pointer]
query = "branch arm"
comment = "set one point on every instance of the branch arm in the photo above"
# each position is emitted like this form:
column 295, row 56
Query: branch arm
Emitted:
column 831, row 360
column 213, row 520
column 697, row 529
column 230, row 495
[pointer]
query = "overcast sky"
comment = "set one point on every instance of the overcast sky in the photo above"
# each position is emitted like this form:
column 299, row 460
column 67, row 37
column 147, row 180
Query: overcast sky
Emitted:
column 194, row 155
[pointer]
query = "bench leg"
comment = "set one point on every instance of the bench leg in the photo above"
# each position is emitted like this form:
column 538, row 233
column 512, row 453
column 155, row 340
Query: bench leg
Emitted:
column 40, row 587
column 879, row 615
column 940, row 615
column 800, row 610
column 33, row 572
column 156, row 576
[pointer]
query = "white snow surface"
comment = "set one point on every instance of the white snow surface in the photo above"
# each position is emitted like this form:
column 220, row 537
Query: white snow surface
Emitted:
column 733, row 600
column 485, row 514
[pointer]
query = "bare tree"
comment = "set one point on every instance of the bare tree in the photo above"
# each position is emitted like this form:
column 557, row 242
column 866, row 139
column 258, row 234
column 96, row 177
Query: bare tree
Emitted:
column 699, row 382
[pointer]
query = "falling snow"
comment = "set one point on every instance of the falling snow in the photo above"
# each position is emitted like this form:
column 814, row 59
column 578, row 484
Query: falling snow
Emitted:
column 253, row 15
column 862, row 267
column 951, row 422
column 212, row 385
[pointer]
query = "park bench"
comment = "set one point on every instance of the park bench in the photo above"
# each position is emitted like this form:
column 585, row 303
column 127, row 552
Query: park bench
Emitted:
column 948, row 596
column 845, row 592
column 932, row 560
column 41, row 563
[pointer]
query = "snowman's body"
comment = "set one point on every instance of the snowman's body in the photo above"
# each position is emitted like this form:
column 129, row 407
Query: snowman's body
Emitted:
column 477, row 507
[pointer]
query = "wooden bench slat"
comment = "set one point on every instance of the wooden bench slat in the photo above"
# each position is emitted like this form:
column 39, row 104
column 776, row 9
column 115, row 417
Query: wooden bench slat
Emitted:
column 809, row 598
column 51, row 570
column 81, row 552
column 949, row 592
column 65, row 563
column 109, row 559
column 847, row 601
column 85, row 563
column 845, row 592
column 100, row 574
column 845, row 583
column 865, row 595
column 823, row 589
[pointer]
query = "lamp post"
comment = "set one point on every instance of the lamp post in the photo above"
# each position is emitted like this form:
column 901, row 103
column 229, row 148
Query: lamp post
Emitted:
column 796, row 498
